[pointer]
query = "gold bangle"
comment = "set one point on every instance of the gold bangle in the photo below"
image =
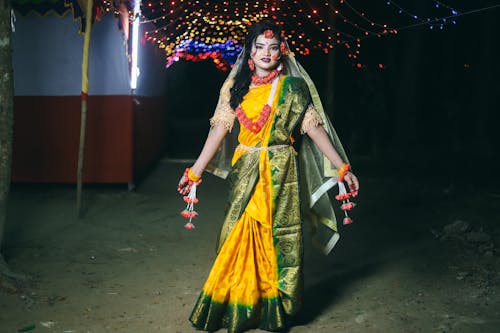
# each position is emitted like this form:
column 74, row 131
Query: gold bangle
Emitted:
column 192, row 176
column 343, row 170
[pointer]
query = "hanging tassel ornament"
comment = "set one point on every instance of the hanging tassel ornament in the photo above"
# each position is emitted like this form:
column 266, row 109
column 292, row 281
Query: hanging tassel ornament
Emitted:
column 187, row 185
column 345, row 196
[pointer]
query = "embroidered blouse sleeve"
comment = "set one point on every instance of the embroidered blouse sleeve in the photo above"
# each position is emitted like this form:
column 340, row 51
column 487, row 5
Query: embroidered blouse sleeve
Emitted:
column 311, row 119
column 224, row 114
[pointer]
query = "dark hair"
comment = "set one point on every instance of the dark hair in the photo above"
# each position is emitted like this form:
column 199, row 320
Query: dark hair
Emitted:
column 243, row 77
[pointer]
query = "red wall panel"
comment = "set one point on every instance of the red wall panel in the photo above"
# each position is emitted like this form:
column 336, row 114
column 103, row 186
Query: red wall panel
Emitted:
column 46, row 135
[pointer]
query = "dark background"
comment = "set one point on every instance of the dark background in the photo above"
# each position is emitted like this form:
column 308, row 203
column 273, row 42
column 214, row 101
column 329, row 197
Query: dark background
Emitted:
column 421, row 101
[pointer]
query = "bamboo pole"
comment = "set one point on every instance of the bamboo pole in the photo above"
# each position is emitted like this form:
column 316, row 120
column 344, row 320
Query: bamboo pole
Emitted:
column 84, row 97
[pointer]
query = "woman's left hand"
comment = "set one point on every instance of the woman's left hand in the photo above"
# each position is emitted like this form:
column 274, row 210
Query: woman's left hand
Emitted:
column 352, row 181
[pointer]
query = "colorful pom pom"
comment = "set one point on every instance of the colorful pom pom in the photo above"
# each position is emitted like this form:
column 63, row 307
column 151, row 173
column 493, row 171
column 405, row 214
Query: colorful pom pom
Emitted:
column 347, row 220
column 347, row 206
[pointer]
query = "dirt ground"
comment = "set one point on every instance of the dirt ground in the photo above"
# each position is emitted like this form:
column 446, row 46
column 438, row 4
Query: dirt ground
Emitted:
column 420, row 257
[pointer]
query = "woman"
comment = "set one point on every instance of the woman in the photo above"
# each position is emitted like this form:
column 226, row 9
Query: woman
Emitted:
column 256, row 280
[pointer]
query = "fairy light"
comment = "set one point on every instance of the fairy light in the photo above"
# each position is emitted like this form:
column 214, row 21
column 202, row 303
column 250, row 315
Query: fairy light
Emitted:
column 372, row 23
column 223, row 55
column 199, row 29
column 438, row 22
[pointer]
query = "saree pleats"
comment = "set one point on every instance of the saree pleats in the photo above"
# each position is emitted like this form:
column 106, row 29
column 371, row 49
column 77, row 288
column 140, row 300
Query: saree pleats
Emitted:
column 256, row 279
column 241, row 289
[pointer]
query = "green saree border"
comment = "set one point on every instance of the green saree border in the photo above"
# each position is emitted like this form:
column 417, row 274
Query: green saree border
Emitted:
column 210, row 315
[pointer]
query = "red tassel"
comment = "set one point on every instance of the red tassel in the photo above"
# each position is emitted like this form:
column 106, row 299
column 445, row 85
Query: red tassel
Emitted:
column 189, row 212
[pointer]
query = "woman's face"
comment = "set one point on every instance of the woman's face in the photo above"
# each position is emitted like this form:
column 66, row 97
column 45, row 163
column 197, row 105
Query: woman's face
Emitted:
column 265, row 54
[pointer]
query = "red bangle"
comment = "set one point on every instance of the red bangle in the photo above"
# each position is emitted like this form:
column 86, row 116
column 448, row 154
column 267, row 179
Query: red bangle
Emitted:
column 343, row 170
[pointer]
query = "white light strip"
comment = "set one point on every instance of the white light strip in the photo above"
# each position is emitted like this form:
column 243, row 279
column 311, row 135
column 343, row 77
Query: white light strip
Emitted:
column 134, row 73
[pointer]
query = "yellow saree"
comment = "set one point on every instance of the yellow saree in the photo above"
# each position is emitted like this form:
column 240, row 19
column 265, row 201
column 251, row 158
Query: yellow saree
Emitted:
column 256, row 279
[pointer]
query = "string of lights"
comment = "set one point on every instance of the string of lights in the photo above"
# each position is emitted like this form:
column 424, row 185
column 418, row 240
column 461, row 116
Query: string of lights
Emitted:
column 298, row 41
column 200, row 29
column 362, row 15
column 437, row 4
column 432, row 22
column 358, row 27
column 222, row 54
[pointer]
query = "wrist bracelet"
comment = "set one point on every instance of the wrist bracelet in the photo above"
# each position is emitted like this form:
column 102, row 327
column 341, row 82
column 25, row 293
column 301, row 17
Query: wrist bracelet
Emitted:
column 343, row 170
column 192, row 177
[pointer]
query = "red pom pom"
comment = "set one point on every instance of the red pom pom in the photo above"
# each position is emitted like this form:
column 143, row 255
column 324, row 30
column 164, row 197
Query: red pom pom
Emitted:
column 347, row 220
column 342, row 197
column 189, row 226
column 348, row 206
column 188, row 200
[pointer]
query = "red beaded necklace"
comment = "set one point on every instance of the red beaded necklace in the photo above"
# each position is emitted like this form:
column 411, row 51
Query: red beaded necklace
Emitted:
column 259, row 80
column 252, row 126
column 256, row 126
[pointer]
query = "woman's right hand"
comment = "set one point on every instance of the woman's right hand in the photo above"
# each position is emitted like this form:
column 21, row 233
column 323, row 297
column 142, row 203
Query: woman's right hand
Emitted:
column 352, row 181
column 185, row 183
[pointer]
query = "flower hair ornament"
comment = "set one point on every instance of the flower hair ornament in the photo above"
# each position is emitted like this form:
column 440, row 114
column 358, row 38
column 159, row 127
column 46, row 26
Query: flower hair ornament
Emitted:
column 187, row 187
column 284, row 49
column 269, row 34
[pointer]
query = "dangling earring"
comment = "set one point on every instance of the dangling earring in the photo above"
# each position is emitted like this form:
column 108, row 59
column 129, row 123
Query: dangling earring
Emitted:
column 251, row 65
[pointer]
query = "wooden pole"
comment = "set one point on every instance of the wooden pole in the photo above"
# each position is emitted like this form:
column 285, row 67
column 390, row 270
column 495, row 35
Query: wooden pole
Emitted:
column 83, row 115
column 6, row 111
column 6, row 130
